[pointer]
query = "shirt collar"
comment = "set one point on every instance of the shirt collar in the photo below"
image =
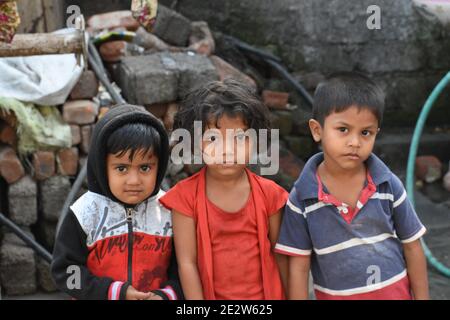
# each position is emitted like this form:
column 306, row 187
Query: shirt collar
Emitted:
column 309, row 186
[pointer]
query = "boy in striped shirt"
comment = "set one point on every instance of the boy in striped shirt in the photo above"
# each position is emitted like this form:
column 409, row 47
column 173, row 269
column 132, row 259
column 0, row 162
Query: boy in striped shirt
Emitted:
column 348, row 218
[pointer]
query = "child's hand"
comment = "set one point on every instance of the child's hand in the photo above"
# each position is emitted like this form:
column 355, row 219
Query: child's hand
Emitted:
column 154, row 297
column 133, row 294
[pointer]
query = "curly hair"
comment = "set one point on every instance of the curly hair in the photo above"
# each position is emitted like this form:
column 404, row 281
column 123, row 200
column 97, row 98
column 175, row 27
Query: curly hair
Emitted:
column 217, row 98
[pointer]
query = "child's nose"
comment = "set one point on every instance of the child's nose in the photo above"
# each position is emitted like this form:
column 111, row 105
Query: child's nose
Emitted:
column 133, row 178
column 355, row 141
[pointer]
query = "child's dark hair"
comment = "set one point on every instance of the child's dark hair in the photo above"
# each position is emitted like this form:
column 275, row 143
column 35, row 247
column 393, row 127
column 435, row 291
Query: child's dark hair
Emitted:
column 217, row 98
column 134, row 137
column 342, row 90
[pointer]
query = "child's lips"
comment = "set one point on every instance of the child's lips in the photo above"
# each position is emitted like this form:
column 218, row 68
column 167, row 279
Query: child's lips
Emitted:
column 133, row 192
column 352, row 156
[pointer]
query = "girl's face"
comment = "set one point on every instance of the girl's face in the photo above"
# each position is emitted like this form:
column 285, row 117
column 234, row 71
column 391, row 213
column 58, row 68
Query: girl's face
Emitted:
column 226, row 147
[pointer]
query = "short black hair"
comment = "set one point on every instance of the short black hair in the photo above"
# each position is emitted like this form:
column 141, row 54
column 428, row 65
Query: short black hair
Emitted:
column 217, row 98
column 134, row 137
column 340, row 91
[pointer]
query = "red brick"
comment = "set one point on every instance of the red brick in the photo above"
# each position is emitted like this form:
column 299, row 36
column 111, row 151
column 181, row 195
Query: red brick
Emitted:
column 428, row 168
column 86, row 87
column 43, row 164
column 11, row 168
column 169, row 117
column 80, row 112
column 67, row 161
column 112, row 20
column 8, row 134
column 76, row 134
column 274, row 99
column 86, row 132
column 158, row 109
column 226, row 70
column 113, row 51
column 9, row 118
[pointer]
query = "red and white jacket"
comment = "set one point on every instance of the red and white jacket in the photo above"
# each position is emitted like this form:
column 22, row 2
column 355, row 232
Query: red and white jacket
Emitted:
column 110, row 246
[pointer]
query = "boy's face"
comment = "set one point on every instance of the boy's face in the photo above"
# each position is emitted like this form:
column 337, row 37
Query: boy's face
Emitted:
column 132, row 181
column 226, row 149
column 347, row 137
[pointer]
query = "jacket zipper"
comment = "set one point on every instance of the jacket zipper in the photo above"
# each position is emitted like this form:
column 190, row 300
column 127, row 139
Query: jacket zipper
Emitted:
column 130, row 244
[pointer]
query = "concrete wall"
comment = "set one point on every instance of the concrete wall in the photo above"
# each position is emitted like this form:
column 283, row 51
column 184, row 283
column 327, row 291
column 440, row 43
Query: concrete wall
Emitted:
column 408, row 56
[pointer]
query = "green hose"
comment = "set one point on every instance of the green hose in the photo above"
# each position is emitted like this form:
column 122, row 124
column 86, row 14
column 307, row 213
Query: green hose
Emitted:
column 411, row 162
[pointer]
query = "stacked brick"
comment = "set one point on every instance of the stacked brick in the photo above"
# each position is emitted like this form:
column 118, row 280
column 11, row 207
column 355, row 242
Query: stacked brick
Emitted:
column 33, row 189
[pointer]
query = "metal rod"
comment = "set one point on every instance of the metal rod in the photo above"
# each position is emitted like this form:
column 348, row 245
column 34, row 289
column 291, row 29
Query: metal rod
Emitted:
column 71, row 196
column 41, row 251
column 101, row 74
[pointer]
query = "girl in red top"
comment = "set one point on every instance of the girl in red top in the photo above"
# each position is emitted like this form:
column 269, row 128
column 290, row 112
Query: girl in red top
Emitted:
column 226, row 219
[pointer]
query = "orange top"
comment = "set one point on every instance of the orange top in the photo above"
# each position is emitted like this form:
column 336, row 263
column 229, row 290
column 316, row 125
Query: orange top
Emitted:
column 234, row 256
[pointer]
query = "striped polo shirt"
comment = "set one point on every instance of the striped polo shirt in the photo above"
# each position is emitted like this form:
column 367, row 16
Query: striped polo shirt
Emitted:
column 355, row 253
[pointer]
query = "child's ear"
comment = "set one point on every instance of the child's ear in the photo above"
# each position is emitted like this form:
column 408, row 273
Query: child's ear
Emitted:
column 316, row 130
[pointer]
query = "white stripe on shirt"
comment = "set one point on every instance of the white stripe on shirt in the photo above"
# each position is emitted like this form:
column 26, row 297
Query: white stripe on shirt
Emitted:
column 353, row 243
column 383, row 196
column 287, row 249
column 418, row 234
column 365, row 289
column 308, row 209
column 400, row 200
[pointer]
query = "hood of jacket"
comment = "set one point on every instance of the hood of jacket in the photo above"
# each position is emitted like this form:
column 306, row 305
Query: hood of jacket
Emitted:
column 111, row 121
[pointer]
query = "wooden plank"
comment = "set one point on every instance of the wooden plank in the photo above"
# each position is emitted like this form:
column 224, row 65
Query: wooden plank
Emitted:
column 42, row 43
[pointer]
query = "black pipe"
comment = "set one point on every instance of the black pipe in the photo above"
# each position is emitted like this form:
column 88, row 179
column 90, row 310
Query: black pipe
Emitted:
column 41, row 251
column 97, row 67
column 246, row 47
column 275, row 63
column 283, row 72
column 72, row 194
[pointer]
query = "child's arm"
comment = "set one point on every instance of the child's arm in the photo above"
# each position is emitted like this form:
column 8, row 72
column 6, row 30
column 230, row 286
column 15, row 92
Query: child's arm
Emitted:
column 186, row 250
column 71, row 274
column 416, row 266
column 298, row 277
column 282, row 260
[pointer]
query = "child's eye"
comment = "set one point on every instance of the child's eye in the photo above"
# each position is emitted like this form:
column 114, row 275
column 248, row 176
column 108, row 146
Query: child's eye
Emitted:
column 343, row 129
column 366, row 133
column 121, row 169
column 145, row 168
column 240, row 137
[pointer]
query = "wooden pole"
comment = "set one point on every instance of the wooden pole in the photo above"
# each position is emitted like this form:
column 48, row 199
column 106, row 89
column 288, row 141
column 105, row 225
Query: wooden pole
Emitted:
column 42, row 43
